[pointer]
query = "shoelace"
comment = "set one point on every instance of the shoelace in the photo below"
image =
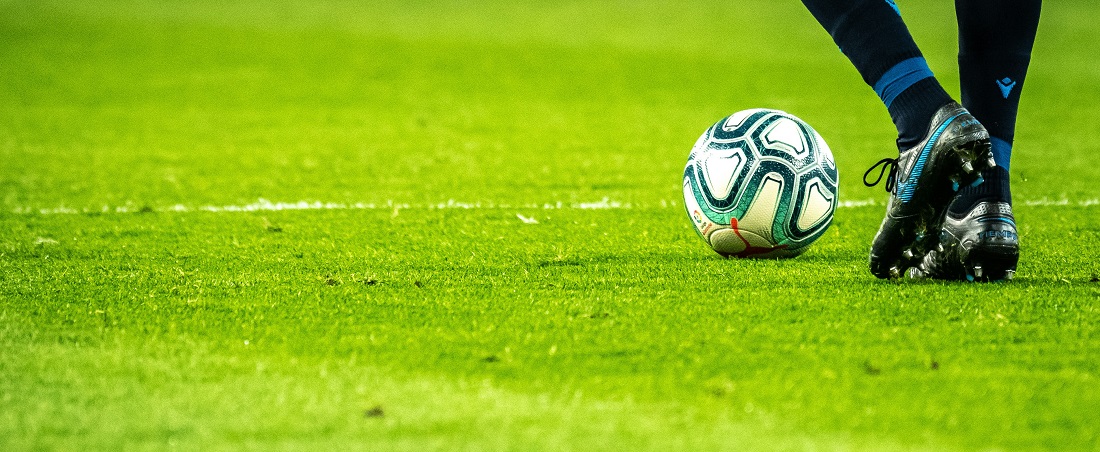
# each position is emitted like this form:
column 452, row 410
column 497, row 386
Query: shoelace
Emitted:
column 886, row 164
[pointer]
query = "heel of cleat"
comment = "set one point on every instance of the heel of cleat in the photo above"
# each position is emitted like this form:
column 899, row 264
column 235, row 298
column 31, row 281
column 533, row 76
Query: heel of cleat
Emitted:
column 981, row 245
column 991, row 265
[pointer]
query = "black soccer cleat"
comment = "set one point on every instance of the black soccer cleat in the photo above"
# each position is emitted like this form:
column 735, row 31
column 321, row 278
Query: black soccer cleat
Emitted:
column 922, row 182
column 979, row 245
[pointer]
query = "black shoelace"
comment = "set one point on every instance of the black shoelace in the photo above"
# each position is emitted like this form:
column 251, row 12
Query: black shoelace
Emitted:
column 884, row 165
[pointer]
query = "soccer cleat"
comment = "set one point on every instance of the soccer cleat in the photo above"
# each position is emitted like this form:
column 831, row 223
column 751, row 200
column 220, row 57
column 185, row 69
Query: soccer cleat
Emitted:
column 922, row 182
column 980, row 245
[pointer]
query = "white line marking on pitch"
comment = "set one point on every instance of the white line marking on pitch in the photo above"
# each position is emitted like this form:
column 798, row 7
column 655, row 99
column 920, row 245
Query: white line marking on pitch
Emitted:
column 263, row 205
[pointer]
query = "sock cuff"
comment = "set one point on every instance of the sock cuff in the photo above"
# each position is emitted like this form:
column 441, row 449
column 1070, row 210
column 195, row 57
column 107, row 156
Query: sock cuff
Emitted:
column 900, row 77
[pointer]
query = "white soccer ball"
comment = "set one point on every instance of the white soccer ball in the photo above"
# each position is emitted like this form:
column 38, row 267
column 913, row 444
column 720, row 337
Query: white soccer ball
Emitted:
column 760, row 183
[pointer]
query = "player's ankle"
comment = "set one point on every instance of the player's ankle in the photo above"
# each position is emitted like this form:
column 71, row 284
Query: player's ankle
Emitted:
column 913, row 109
column 995, row 187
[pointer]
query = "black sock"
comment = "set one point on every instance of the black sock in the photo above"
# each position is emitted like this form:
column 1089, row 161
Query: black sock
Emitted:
column 995, row 188
column 873, row 36
column 913, row 110
column 995, row 41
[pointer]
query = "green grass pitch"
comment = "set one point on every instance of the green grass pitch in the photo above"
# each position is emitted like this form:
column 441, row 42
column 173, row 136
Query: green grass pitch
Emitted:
column 284, row 224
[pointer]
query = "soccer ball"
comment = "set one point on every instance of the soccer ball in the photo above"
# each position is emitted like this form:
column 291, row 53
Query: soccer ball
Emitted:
column 760, row 183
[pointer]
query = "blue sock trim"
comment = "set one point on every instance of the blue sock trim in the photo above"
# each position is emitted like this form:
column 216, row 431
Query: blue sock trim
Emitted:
column 1002, row 151
column 900, row 77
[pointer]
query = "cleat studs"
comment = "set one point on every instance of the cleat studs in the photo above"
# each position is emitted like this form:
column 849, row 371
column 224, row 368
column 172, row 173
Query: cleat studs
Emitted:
column 1009, row 274
column 978, row 271
column 969, row 277
column 991, row 163
column 899, row 271
column 977, row 182
column 968, row 167
column 954, row 185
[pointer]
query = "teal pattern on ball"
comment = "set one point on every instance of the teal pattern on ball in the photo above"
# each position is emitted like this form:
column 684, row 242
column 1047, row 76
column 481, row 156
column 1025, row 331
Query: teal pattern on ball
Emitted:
column 767, row 171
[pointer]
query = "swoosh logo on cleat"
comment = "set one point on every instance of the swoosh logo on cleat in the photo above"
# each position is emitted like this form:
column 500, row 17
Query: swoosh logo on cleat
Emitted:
column 908, row 186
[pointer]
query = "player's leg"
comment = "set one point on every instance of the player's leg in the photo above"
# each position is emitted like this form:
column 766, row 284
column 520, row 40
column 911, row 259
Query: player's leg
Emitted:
column 940, row 144
column 979, row 240
column 995, row 42
column 873, row 36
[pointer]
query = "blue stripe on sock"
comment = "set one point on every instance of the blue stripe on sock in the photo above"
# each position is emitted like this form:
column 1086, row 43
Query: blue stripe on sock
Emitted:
column 901, row 76
column 1002, row 151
